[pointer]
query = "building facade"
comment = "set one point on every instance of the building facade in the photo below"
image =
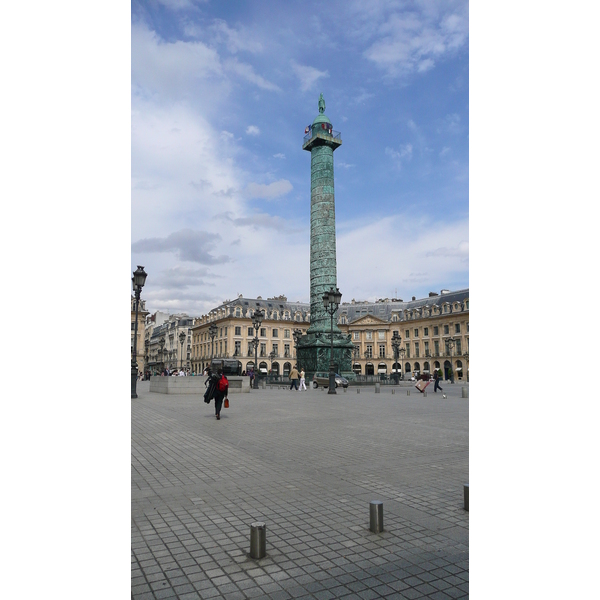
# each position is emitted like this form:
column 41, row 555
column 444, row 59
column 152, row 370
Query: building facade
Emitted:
column 434, row 333
column 141, row 321
column 165, row 349
column 276, row 351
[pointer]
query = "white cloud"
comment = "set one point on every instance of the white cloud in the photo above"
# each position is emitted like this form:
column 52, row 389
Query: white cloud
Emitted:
column 246, row 72
column 236, row 40
column 270, row 191
column 308, row 75
column 413, row 40
column 399, row 156
column 279, row 155
column 252, row 130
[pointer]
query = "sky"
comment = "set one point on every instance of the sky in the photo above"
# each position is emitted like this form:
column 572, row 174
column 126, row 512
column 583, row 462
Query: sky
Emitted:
column 221, row 93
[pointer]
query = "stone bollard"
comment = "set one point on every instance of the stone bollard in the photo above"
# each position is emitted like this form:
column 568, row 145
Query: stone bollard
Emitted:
column 258, row 540
column 263, row 384
column 393, row 390
column 358, row 390
column 408, row 392
column 466, row 495
column 377, row 388
column 345, row 390
column 376, row 516
column 425, row 393
column 465, row 392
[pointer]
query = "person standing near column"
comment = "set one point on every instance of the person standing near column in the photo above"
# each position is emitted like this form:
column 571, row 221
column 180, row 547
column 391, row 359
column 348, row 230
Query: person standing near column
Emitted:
column 302, row 381
column 294, row 378
column 437, row 385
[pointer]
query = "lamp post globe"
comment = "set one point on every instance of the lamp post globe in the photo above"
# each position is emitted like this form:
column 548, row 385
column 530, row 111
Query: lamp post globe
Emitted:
column 138, row 280
column 331, row 300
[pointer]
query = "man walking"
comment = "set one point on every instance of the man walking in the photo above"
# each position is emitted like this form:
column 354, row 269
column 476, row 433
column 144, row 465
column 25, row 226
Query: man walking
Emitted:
column 437, row 385
column 294, row 378
column 302, row 380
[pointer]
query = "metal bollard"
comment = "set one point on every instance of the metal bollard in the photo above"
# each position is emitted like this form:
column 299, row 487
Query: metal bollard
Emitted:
column 466, row 495
column 393, row 390
column 377, row 388
column 465, row 392
column 425, row 393
column 258, row 540
column 376, row 516
column 345, row 390
column 408, row 392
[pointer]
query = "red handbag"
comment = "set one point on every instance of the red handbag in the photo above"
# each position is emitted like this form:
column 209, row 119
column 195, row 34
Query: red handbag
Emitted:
column 226, row 403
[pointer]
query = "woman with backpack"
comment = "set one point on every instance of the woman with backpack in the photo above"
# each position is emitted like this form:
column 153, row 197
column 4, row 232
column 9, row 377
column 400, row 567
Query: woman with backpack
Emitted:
column 221, row 392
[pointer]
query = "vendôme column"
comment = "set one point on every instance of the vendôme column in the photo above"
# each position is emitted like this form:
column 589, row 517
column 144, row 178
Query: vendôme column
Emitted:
column 314, row 348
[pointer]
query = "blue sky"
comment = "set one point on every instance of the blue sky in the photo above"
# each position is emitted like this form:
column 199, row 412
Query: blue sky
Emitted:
column 221, row 94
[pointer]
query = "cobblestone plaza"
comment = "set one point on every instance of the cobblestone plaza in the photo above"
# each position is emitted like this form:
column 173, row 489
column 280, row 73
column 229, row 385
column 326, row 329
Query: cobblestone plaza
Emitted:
column 307, row 464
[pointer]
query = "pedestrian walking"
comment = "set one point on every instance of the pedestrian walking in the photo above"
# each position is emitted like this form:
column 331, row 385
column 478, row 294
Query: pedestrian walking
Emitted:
column 302, row 380
column 437, row 385
column 221, row 392
column 294, row 378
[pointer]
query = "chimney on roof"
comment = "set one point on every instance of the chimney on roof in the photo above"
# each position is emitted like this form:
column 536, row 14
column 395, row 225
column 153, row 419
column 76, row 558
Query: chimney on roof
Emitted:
column 432, row 294
column 414, row 297
column 445, row 292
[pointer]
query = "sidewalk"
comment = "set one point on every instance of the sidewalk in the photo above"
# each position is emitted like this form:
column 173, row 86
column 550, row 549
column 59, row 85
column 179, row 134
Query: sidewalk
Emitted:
column 307, row 464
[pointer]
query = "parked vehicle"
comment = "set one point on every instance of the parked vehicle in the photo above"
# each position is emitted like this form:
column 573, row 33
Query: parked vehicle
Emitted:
column 322, row 379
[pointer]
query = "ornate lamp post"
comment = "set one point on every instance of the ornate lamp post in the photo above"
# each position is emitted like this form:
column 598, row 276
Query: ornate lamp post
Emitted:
column 138, row 279
column 146, row 368
column 182, row 337
column 396, row 347
column 466, row 357
column 161, row 343
column 451, row 343
column 297, row 335
column 257, row 319
column 331, row 300
column 212, row 332
column 401, row 353
column 272, row 355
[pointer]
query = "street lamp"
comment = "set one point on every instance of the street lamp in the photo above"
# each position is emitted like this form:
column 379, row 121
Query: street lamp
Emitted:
column 146, row 367
column 331, row 301
column 297, row 335
column 257, row 319
column 451, row 343
column 161, row 343
column 272, row 355
column 212, row 332
column 182, row 337
column 396, row 347
column 138, row 279
column 466, row 357
column 401, row 352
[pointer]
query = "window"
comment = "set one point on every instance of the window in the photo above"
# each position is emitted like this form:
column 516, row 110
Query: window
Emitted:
column 416, row 349
column 263, row 332
column 133, row 326
column 416, row 333
column 369, row 351
column 407, row 348
column 220, row 332
column 356, row 335
column 286, row 333
column 436, row 348
column 250, row 331
column 220, row 348
column 286, row 350
column 250, row 349
column 238, row 331
column 263, row 349
column 407, row 334
column 225, row 346
column 467, row 326
column 381, row 350
column 458, row 348
column 446, row 330
column 238, row 348
column 369, row 335
column 426, row 331
column 381, row 335
column 275, row 332
column 457, row 328
column 238, row 312
column 225, row 331
column 436, row 330
column 426, row 344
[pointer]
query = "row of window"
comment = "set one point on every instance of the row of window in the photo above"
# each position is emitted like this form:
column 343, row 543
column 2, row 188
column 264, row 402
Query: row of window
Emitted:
column 238, row 331
column 450, row 348
column 436, row 331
